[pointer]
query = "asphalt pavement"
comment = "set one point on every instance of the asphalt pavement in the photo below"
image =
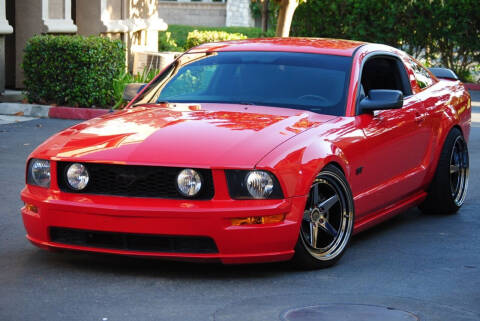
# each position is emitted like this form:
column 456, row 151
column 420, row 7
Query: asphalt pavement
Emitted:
column 426, row 265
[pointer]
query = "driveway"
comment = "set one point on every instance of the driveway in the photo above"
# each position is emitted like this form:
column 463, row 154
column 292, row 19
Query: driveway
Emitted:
column 426, row 265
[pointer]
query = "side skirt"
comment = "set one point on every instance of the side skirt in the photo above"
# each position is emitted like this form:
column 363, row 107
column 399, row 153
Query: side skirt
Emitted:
column 388, row 212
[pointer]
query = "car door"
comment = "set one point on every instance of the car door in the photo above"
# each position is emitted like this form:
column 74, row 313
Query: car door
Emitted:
column 394, row 147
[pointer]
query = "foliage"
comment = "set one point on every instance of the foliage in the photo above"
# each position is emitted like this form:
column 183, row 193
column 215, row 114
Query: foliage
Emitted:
column 273, row 7
column 439, row 32
column 166, row 42
column 196, row 37
column 456, row 34
column 179, row 33
column 125, row 78
column 72, row 70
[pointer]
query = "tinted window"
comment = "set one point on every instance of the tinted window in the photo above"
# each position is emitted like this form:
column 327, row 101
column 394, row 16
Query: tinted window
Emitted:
column 282, row 79
column 385, row 73
column 421, row 75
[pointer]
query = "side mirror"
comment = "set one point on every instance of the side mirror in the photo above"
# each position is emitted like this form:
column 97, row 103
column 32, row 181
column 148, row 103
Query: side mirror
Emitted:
column 131, row 90
column 381, row 99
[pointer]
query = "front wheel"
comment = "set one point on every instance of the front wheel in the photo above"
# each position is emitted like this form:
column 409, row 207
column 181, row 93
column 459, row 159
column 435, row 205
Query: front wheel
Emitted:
column 448, row 188
column 327, row 222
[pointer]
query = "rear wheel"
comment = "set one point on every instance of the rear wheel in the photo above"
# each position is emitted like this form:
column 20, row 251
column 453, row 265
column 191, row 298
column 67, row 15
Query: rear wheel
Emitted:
column 327, row 222
column 448, row 189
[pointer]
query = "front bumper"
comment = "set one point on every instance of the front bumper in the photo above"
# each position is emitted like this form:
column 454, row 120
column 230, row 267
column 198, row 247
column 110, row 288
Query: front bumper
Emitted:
column 236, row 244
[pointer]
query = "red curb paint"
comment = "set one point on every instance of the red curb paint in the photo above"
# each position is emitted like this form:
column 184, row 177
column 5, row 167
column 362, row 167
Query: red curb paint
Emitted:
column 472, row 86
column 75, row 113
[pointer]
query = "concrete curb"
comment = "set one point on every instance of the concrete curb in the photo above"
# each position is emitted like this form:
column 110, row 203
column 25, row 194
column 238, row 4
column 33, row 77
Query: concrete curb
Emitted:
column 45, row 111
column 29, row 110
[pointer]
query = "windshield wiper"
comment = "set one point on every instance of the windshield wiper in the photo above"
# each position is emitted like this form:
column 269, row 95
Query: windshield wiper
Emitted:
column 164, row 102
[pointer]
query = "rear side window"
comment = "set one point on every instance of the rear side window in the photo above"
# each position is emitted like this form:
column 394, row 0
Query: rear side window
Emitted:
column 422, row 76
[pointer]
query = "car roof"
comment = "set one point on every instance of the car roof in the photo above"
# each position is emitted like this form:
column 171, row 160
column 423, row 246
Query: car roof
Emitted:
column 338, row 47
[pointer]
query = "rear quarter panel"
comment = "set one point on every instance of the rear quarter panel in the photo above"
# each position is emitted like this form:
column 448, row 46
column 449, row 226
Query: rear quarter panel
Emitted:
column 448, row 105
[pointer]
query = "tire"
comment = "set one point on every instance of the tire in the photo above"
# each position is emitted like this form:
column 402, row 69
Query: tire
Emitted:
column 448, row 189
column 329, row 216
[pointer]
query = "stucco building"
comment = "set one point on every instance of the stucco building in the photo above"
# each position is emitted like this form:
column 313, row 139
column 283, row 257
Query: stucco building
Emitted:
column 135, row 22
column 5, row 29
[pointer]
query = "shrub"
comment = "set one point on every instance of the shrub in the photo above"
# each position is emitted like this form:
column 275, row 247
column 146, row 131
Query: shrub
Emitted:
column 439, row 32
column 179, row 33
column 72, row 70
column 125, row 78
column 196, row 37
column 167, row 43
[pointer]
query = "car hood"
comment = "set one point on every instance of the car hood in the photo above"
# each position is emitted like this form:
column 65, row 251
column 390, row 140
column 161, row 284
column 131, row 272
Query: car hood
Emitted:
column 207, row 135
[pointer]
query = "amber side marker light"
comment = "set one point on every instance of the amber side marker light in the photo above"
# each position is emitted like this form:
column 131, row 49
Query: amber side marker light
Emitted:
column 255, row 220
column 31, row 208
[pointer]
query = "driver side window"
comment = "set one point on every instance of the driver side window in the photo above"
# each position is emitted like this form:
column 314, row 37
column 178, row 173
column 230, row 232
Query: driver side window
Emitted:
column 384, row 72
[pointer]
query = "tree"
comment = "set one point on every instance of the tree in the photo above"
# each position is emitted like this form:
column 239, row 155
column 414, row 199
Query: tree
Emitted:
column 265, row 15
column 285, row 16
column 264, row 11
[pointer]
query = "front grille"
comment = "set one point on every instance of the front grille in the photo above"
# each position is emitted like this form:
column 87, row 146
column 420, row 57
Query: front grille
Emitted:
column 133, row 242
column 136, row 181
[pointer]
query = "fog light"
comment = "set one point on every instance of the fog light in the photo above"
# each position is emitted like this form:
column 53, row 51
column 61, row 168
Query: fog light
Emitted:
column 31, row 208
column 77, row 176
column 253, row 220
column 189, row 182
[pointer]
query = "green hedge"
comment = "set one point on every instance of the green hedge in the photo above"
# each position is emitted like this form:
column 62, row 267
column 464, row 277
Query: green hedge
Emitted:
column 72, row 70
column 196, row 37
column 175, row 39
column 440, row 32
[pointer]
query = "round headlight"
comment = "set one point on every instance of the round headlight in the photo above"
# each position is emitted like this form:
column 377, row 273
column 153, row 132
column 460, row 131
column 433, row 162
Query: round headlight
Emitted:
column 41, row 172
column 259, row 184
column 189, row 182
column 77, row 176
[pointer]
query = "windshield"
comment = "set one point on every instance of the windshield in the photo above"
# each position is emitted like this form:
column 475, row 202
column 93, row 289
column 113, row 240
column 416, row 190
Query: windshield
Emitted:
column 312, row 82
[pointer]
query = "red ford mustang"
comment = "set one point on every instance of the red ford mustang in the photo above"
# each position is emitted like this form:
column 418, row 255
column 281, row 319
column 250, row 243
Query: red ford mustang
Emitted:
column 256, row 151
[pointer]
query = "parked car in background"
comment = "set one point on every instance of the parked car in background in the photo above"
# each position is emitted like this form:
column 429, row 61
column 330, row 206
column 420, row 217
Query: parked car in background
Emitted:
column 256, row 151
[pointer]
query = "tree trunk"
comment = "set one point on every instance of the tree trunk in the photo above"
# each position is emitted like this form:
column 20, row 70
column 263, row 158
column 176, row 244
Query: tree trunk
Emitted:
column 285, row 16
column 265, row 16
